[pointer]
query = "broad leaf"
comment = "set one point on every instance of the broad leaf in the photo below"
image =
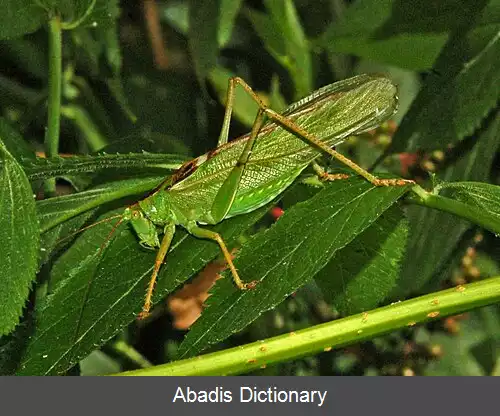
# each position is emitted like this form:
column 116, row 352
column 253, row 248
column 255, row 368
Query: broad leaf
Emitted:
column 288, row 255
column 58, row 236
column 362, row 274
column 20, row 17
column 176, row 13
column 43, row 168
column 479, row 194
column 97, row 293
column 203, row 32
column 54, row 211
column 228, row 11
column 457, row 98
column 283, row 36
column 14, row 142
column 61, row 216
column 457, row 351
column 404, row 34
column 434, row 234
column 19, row 235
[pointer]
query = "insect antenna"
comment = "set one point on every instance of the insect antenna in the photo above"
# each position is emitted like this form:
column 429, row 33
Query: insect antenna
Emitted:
column 108, row 237
column 91, row 226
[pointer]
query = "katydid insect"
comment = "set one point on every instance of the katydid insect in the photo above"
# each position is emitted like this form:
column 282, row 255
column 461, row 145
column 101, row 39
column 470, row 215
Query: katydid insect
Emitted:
column 246, row 173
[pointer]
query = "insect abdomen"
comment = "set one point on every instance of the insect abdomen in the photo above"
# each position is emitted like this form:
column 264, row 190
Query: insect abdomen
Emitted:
column 261, row 195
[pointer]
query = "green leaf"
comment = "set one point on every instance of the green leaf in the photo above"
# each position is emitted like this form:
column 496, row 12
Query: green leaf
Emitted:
column 96, row 38
column 298, row 58
column 116, row 88
column 29, row 54
column 457, row 358
column 160, row 121
column 79, row 13
column 19, row 234
column 479, row 194
column 288, row 255
column 54, row 211
column 95, row 294
column 83, row 122
column 434, row 234
column 488, row 351
column 20, row 17
column 58, row 236
column 228, row 12
column 404, row 34
column 42, row 168
column 176, row 13
column 14, row 142
column 454, row 102
column 203, row 32
column 276, row 100
column 363, row 273
column 284, row 38
column 99, row 364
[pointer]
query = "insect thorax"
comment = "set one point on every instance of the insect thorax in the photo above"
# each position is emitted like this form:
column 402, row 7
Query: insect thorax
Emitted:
column 158, row 208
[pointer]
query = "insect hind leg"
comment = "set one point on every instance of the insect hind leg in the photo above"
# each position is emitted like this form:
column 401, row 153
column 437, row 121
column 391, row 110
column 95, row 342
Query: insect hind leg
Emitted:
column 325, row 176
column 295, row 129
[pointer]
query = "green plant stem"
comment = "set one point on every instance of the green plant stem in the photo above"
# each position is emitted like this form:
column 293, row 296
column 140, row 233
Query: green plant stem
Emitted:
column 54, row 99
column 474, row 214
column 333, row 334
column 82, row 120
column 130, row 353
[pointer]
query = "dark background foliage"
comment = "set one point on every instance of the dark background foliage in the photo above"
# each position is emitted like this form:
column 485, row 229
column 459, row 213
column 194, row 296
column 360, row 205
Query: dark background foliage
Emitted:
column 143, row 90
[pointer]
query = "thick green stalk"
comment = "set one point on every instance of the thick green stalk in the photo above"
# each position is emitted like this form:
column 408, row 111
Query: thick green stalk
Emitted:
column 474, row 214
column 333, row 334
column 54, row 99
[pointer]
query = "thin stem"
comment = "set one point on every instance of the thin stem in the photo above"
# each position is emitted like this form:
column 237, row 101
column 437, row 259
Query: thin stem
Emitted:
column 130, row 353
column 54, row 99
column 81, row 19
column 474, row 214
column 333, row 334
column 80, row 117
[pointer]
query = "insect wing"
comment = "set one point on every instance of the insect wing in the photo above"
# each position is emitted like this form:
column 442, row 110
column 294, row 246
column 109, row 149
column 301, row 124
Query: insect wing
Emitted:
column 331, row 113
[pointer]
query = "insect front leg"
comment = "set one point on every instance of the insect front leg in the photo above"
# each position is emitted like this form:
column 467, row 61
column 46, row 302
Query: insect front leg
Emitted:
column 313, row 140
column 230, row 96
column 199, row 232
column 160, row 256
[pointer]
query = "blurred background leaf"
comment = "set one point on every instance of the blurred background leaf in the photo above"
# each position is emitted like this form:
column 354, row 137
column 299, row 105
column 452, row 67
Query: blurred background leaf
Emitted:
column 144, row 88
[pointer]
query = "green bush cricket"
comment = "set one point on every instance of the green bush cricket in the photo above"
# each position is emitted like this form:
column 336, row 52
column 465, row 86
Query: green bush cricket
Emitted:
column 242, row 175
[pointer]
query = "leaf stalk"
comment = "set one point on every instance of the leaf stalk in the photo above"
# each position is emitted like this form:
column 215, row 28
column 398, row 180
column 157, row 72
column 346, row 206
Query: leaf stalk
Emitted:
column 335, row 334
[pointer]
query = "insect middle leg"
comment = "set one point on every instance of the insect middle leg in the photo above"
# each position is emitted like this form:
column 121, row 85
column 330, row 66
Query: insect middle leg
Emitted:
column 199, row 232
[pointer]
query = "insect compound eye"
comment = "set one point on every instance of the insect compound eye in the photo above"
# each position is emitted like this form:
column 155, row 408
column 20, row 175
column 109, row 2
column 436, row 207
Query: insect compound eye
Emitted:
column 135, row 215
